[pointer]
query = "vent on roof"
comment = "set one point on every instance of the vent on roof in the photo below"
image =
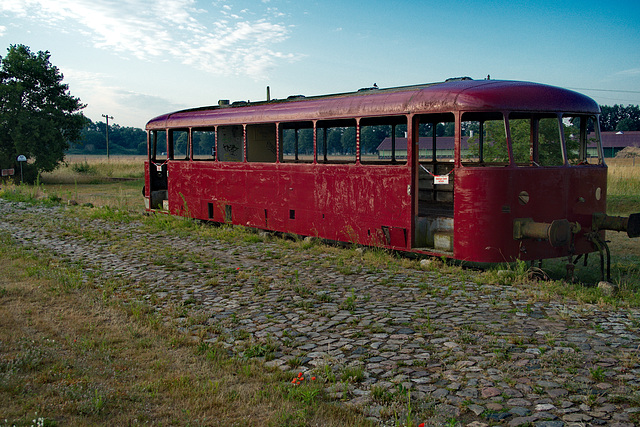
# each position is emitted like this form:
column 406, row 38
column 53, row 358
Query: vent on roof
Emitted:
column 365, row 89
column 457, row 79
column 223, row 102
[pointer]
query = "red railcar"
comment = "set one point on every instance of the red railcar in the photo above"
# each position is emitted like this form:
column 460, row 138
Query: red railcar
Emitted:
column 522, row 176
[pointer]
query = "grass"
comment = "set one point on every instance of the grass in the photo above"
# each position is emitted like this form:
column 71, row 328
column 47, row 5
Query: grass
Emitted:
column 86, row 180
column 117, row 195
column 96, row 169
column 624, row 183
column 73, row 356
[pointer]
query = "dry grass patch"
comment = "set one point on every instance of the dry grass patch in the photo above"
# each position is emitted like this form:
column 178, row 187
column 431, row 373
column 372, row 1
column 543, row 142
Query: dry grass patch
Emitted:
column 94, row 169
column 119, row 195
column 71, row 355
column 623, row 186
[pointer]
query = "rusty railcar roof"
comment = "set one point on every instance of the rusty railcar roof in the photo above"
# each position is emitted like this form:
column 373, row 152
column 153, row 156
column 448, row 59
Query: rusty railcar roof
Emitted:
column 459, row 95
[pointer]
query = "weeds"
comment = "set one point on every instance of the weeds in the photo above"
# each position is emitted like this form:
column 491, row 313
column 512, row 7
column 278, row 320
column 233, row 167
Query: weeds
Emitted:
column 265, row 350
column 352, row 374
column 84, row 168
column 597, row 373
column 350, row 302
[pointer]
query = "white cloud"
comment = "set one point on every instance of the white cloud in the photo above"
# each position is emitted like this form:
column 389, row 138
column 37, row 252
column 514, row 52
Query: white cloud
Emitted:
column 2, row 30
column 129, row 108
column 168, row 29
column 630, row 72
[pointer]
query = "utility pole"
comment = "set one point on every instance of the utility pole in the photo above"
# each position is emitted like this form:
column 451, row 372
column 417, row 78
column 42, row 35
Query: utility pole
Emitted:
column 107, row 117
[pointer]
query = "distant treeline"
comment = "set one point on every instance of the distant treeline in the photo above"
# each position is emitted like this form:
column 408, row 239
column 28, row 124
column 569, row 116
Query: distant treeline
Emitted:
column 122, row 140
column 129, row 140
column 620, row 118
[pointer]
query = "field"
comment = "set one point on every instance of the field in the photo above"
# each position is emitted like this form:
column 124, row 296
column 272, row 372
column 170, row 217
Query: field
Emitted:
column 114, row 362
column 118, row 181
column 118, row 184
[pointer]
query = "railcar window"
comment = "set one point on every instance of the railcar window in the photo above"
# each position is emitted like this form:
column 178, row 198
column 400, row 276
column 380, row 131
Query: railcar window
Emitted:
column 484, row 140
column 179, row 144
column 537, row 139
column 383, row 140
column 583, row 140
column 204, row 144
column 261, row 143
column 158, row 145
column 296, row 142
column 336, row 141
column 436, row 138
column 550, row 142
column 522, row 141
column 230, row 143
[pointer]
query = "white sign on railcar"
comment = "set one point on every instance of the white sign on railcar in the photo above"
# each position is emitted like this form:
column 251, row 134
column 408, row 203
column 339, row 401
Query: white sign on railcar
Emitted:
column 441, row 179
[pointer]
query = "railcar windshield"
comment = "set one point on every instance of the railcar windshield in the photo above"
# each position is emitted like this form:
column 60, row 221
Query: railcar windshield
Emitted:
column 554, row 139
column 530, row 140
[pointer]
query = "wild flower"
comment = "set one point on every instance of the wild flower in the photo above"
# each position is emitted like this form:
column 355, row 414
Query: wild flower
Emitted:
column 300, row 378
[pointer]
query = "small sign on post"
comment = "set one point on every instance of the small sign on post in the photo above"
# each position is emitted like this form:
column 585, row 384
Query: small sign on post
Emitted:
column 21, row 159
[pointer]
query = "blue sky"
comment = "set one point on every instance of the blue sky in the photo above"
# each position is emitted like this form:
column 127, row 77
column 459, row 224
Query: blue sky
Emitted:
column 136, row 59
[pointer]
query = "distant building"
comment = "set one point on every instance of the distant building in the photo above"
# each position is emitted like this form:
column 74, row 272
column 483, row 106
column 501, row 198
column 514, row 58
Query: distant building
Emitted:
column 612, row 143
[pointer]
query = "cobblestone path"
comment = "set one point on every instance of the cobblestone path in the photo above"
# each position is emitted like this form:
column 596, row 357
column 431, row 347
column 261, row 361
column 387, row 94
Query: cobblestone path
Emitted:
column 488, row 355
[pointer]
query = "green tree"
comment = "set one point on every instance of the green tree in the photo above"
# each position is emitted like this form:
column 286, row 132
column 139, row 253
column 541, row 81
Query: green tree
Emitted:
column 619, row 118
column 334, row 140
column 494, row 145
column 348, row 140
column 92, row 140
column 628, row 124
column 305, row 141
column 38, row 115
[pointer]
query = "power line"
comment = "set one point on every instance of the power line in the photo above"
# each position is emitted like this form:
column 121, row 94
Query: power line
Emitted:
column 618, row 100
column 605, row 90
